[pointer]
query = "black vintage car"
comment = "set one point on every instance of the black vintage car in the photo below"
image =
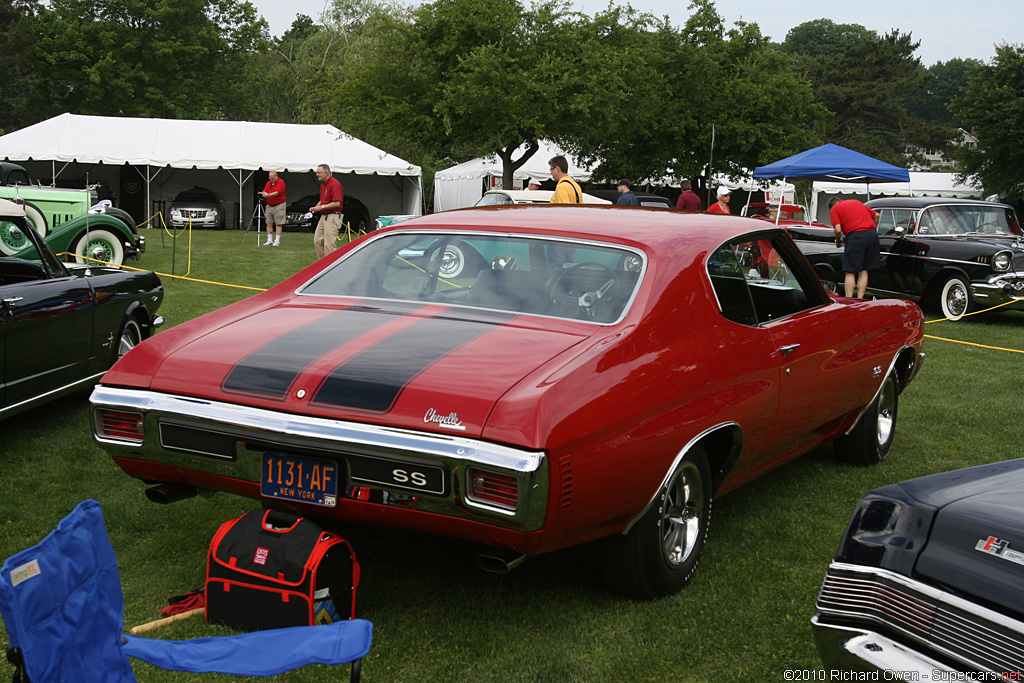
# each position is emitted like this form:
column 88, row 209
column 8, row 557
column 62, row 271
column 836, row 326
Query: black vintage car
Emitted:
column 300, row 219
column 929, row 578
column 964, row 255
column 63, row 325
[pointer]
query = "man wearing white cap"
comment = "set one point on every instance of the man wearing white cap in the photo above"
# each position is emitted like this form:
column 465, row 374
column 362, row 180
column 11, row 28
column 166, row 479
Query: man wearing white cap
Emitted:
column 722, row 205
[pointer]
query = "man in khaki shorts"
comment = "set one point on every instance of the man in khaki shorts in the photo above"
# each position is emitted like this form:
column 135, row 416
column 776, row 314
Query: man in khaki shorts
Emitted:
column 273, row 192
column 325, row 239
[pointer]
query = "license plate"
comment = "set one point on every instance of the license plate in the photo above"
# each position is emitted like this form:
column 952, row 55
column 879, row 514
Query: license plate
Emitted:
column 287, row 477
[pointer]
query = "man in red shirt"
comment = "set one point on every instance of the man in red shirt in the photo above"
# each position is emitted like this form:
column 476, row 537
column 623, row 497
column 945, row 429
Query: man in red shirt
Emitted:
column 273, row 192
column 688, row 200
column 332, row 196
column 858, row 224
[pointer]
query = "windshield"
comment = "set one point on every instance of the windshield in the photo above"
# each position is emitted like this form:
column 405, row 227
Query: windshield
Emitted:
column 494, row 199
column 565, row 279
column 196, row 196
column 968, row 220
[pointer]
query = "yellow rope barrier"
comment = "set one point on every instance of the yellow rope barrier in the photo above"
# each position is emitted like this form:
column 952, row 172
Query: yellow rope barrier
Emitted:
column 985, row 310
column 176, row 277
column 982, row 346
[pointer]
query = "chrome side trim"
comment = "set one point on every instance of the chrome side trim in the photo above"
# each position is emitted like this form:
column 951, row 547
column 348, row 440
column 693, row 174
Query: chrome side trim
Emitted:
column 391, row 438
column 678, row 459
column 49, row 395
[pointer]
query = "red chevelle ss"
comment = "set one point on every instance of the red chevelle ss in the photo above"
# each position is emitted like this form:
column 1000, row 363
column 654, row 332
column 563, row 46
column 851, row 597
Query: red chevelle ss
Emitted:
column 528, row 377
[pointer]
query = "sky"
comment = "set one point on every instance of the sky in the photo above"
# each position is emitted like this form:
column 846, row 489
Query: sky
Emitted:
column 945, row 28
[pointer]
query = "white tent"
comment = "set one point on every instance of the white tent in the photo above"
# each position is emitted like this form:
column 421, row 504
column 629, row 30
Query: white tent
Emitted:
column 922, row 184
column 70, row 142
column 462, row 185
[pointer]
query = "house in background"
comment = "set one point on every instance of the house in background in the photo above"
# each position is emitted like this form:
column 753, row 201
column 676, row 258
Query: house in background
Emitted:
column 923, row 159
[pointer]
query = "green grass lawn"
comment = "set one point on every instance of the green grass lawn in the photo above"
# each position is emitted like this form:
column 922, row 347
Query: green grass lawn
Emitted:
column 436, row 616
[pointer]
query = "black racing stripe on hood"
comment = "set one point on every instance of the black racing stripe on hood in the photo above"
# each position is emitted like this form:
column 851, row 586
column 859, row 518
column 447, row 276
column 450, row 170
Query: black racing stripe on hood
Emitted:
column 374, row 379
column 270, row 370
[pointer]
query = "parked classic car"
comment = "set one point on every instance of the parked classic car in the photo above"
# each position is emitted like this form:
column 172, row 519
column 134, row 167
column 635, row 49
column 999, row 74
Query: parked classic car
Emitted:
column 500, row 197
column 62, row 326
column 45, row 207
column 197, row 207
column 962, row 254
column 645, row 198
column 603, row 375
column 927, row 579
column 300, row 218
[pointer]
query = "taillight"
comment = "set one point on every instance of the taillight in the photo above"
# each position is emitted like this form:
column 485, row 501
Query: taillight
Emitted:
column 119, row 424
column 493, row 488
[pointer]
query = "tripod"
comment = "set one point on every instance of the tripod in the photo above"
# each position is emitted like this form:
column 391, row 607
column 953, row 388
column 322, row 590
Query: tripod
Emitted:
column 258, row 218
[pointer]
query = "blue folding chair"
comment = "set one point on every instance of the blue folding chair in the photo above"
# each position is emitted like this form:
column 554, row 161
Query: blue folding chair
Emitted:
column 62, row 604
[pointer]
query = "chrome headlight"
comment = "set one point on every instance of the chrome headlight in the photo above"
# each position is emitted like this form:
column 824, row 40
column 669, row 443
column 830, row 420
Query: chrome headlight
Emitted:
column 1002, row 261
column 212, row 214
column 176, row 214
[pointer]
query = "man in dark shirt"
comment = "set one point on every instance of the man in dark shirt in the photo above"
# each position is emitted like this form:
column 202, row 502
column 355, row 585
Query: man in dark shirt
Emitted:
column 626, row 196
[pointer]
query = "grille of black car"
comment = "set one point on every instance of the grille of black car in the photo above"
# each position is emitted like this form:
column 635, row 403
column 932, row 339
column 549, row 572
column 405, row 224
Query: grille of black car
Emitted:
column 971, row 634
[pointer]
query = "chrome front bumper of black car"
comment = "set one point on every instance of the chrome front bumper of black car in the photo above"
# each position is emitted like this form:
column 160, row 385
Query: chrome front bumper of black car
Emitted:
column 1006, row 288
column 874, row 619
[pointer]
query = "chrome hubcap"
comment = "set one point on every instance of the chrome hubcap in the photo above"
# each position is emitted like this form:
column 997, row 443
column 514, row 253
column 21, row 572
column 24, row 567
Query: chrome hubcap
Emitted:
column 682, row 508
column 956, row 300
column 886, row 412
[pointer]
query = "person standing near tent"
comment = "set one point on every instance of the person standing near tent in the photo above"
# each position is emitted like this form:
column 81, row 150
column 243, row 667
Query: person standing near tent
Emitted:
column 332, row 196
column 532, row 184
column 688, row 200
column 567, row 190
column 626, row 195
column 722, row 205
column 858, row 224
column 273, row 192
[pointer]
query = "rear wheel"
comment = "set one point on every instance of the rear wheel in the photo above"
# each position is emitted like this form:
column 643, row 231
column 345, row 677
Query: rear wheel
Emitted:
column 99, row 246
column 868, row 443
column 12, row 238
column 955, row 298
column 131, row 335
column 659, row 555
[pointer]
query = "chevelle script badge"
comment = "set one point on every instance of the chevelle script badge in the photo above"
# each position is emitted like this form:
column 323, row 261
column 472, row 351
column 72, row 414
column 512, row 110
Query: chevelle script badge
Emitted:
column 449, row 421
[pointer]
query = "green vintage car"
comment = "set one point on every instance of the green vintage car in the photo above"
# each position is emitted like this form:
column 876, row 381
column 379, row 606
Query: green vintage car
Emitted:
column 68, row 221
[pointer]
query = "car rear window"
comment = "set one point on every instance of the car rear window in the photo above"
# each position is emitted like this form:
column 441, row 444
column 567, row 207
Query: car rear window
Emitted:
column 548, row 277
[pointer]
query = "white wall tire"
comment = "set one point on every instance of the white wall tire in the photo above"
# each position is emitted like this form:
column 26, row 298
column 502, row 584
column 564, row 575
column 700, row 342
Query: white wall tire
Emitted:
column 101, row 245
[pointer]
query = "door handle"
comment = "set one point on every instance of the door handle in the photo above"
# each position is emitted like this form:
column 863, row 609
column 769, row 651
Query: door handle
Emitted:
column 11, row 300
column 788, row 349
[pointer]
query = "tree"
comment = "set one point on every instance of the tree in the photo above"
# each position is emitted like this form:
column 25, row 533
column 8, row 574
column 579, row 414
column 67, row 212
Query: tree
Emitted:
column 948, row 80
column 994, row 104
column 865, row 80
column 681, row 85
column 17, row 69
column 157, row 58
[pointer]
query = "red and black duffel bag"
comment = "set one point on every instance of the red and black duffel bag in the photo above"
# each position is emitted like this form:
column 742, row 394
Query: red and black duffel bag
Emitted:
column 270, row 569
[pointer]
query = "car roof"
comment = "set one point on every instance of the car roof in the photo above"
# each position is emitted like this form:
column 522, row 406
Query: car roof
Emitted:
column 540, row 196
column 922, row 202
column 603, row 223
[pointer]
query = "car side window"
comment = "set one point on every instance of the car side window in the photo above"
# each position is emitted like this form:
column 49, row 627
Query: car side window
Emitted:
column 761, row 278
column 890, row 220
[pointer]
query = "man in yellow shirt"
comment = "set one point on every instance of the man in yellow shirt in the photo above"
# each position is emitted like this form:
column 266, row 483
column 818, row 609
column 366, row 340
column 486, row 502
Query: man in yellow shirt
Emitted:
column 567, row 191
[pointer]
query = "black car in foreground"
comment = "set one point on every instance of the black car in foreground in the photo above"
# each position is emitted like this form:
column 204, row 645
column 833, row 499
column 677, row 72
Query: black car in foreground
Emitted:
column 62, row 325
column 964, row 255
column 929, row 578
column 300, row 219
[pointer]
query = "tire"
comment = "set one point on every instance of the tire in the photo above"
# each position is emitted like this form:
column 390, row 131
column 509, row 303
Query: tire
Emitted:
column 659, row 555
column 12, row 239
column 870, row 440
column 128, row 339
column 37, row 218
column 453, row 261
column 955, row 299
column 102, row 245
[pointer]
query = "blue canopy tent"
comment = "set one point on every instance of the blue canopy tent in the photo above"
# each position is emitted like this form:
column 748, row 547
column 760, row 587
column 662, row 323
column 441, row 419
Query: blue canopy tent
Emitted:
column 832, row 162
column 835, row 163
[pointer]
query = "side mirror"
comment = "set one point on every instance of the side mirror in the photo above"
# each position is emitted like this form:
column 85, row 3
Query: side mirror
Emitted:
column 899, row 231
